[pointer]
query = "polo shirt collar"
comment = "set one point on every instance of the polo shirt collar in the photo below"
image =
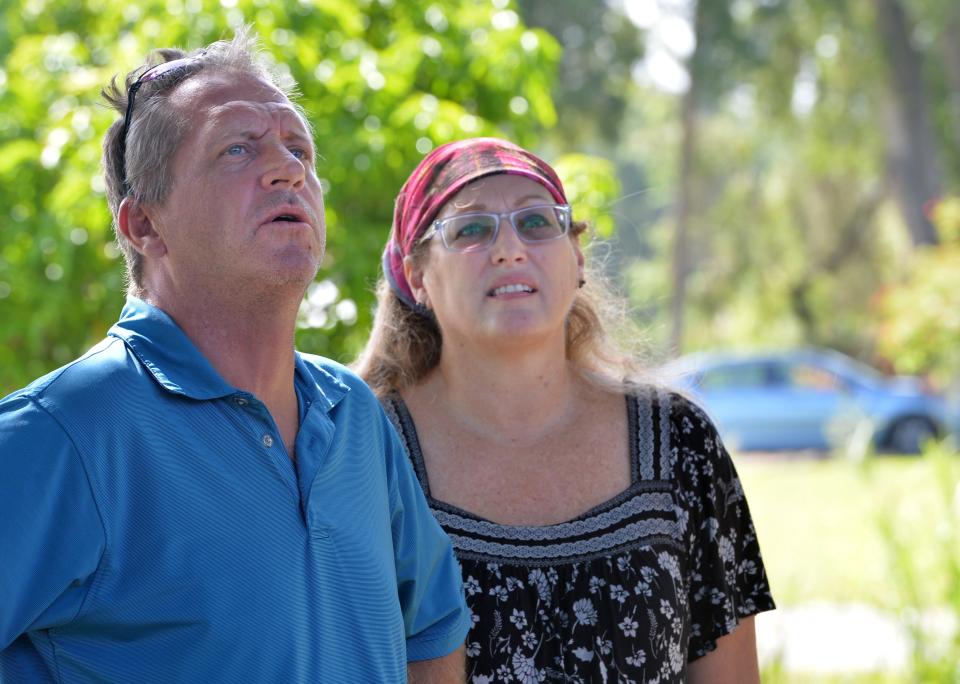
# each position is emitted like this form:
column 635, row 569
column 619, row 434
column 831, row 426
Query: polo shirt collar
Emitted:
column 317, row 385
column 166, row 351
column 176, row 363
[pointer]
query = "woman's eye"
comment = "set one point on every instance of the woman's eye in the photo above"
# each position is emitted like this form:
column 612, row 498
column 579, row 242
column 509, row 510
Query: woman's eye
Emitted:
column 234, row 150
column 471, row 229
column 299, row 153
column 534, row 221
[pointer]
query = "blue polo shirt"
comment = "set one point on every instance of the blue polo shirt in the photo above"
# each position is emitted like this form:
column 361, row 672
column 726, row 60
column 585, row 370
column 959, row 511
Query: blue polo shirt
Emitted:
column 153, row 528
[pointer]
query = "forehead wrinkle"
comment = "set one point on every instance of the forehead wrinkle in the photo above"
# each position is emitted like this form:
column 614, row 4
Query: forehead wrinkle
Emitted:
column 211, row 92
column 255, row 118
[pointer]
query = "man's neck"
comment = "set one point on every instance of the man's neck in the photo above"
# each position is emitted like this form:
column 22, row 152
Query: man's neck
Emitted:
column 250, row 344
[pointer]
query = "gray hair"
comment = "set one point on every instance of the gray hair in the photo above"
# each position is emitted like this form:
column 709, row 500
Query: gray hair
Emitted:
column 156, row 129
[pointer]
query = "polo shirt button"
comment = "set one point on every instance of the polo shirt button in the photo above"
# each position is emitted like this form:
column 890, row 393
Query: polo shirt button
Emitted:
column 241, row 401
column 267, row 441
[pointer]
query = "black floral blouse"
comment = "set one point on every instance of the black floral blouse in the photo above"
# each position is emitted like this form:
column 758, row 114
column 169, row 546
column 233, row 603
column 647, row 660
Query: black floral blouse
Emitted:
column 631, row 590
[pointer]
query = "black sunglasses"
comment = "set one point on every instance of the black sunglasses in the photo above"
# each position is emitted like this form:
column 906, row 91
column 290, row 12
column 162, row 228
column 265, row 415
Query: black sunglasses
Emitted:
column 151, row 74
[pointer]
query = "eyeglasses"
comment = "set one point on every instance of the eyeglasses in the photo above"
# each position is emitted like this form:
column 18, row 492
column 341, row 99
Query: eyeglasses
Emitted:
column 472, row 232
column 147, row 76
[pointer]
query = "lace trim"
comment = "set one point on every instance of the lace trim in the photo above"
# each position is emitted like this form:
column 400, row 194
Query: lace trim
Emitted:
column 403, row 422
column 645, row 435
column 640, row 503
column 634, row 532
column 391, row 410
column 666, row 449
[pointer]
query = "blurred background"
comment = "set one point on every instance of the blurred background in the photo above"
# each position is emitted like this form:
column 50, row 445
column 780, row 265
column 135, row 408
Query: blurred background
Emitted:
column 774, row 187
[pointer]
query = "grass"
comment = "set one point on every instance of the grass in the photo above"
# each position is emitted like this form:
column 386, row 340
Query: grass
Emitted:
column 819, row 525
column 881, row 532
column 775, row 676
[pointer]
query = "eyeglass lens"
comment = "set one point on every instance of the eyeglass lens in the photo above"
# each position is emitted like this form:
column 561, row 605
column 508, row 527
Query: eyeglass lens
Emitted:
column 533, row 224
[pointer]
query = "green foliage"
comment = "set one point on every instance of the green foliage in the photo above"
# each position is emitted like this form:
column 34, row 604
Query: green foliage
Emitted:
column 794, row 236
column 881, row 532
column 600, row 47
column 592, row 186
column 918, row 320
column 815, row 520
column 382, row 82
column 793, row 230
column 928, row 579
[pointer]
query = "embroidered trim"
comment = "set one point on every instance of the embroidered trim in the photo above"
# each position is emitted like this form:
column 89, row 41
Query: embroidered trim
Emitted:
column 391, row 410
column 641, row 503
column 645, row 435
column 647, row 545
column 666, row 447
column 634, row 532
column 403, row 422
column 631, row 403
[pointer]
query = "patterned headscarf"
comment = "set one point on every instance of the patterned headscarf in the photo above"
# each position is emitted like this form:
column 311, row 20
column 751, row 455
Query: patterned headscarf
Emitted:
column 440, row 176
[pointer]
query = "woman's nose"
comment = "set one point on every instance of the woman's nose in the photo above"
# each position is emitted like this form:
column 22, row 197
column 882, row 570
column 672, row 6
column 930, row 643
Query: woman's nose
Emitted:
column 508, row 246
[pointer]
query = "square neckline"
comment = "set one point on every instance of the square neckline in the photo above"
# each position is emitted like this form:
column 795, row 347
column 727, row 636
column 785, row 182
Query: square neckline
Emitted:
column 411, row 440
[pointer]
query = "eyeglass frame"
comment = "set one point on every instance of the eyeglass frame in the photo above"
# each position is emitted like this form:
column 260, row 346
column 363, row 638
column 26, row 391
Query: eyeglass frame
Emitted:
column 152, row 74
column 437, row 226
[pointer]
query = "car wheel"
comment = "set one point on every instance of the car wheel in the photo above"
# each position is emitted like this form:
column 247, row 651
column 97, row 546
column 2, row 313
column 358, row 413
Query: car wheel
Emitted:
column 908, row 435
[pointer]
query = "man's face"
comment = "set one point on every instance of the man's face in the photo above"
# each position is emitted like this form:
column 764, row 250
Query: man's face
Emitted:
column 245, row 210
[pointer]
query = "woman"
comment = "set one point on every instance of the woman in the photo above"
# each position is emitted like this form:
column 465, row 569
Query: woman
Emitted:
column 600, row 525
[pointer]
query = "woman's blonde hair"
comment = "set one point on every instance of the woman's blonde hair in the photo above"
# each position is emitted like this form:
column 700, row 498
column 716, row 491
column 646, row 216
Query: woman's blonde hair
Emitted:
column 405, row 342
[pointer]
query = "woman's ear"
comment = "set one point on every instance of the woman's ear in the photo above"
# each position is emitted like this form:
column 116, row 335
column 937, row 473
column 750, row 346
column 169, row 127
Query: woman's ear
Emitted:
column 135, row 224
column 413, row 272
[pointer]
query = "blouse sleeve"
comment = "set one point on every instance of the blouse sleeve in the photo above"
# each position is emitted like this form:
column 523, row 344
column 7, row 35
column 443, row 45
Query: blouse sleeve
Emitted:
column 727, row 581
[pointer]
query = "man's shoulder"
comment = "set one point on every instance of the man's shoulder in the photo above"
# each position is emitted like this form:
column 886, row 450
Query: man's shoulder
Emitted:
column 84, row 375
column 330, row 373
column 69, row 400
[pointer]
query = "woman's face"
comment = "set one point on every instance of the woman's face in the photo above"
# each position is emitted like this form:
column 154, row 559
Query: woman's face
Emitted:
column 511, row 292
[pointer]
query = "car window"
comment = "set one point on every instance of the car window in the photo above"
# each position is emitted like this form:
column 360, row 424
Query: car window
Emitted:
column 809, row 377
column 741, row 375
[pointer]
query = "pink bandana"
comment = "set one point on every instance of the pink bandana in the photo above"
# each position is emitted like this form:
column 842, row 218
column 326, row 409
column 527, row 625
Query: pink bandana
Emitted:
column 440, row 176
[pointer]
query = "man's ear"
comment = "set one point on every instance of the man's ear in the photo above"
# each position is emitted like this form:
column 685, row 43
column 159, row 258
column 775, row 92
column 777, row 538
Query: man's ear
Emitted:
column 136, row 225
column 414, row 275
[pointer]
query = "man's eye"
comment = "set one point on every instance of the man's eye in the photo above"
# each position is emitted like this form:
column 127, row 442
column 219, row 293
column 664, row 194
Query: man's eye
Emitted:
column 234, row 150
column 299, row 153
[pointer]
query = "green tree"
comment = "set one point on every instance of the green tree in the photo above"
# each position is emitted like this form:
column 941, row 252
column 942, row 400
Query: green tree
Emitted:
column 600, row 48
column 793, row 223
column 382, row 82
column 918, row 321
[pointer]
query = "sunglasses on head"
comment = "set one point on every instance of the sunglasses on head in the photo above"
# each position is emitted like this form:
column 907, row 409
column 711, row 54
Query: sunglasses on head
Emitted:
column 151, row 74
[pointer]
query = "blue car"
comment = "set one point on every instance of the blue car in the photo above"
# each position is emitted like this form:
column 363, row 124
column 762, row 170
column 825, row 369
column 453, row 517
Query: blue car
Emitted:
column 810, row 399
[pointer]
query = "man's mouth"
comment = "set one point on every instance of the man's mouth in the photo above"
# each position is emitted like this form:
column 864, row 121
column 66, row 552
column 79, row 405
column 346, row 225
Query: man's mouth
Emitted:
column 288, row 214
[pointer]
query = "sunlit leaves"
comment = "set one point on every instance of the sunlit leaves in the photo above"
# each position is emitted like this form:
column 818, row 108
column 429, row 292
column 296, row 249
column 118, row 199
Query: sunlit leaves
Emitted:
column 592, row 188
column 918, row 318
column 382, row 81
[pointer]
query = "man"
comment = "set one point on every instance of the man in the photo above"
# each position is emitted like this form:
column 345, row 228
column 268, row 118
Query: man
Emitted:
column 193, row 500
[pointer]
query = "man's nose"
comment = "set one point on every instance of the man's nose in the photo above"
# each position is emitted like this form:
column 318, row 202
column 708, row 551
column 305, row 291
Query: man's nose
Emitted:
column 284, row 170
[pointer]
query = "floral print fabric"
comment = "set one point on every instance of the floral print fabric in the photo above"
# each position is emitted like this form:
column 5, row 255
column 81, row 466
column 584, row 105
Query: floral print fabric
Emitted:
column 631, row 590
